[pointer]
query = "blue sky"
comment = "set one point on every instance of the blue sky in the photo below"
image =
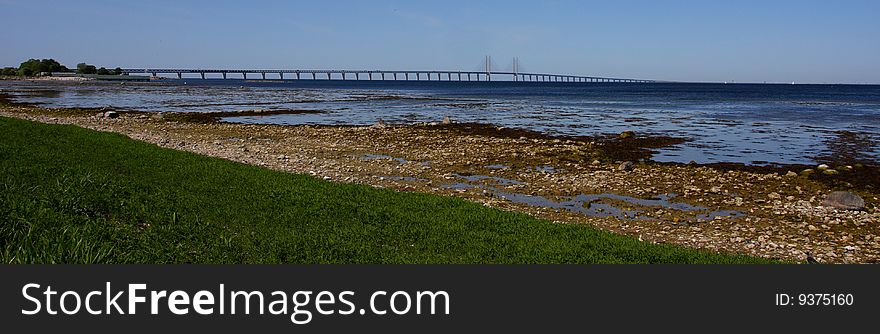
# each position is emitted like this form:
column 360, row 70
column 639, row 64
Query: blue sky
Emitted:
column 781, row 41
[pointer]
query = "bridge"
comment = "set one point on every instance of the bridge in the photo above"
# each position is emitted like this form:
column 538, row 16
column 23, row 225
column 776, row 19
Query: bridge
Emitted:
column 340, row 74
column 380, row 75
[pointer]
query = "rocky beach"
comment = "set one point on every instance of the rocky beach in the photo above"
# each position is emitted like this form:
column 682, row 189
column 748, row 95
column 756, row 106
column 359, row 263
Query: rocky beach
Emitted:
column 780, row 212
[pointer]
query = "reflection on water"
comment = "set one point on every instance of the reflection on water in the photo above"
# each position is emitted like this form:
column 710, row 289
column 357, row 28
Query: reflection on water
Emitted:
column 754, row 124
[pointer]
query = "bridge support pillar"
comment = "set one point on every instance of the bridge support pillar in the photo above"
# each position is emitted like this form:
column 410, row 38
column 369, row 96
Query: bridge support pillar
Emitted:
column 203, row 75
column 224, row 75
column 179, row 75
column 328, row 76
column 244, row 75
column 297, row 75
column 281, row 75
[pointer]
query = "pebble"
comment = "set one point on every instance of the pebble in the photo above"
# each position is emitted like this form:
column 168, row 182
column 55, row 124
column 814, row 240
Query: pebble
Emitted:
column 625, row 166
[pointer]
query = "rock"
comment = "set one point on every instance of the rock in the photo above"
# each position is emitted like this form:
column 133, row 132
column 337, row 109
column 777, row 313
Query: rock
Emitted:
column 627, row 134
column 830, row 172
column 791, row 174
column 446, row 120
column 774, row 195
column 822, row 167
column 380, row 124
column 596, row 162
column 625, row 166
column 111, row 114
column 327, row 178
column 158, row 116
column 807, row 172
column 844, row 200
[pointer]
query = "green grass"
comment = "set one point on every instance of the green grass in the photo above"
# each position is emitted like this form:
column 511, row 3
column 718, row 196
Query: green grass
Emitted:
column 70, row 195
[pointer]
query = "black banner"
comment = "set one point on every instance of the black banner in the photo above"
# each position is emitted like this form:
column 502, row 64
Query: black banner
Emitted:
column 533, row 298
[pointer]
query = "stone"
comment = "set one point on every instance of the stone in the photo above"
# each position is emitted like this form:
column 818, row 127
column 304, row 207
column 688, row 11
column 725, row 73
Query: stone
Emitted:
column 844, row 200
column 380, row 124
column 830, row 172
column 774, row 195
column 627, row 134
column 791, row 174
column 822, row 167
column 446, row 120
column 596, row 162
column 625, row 166
column 111, row 114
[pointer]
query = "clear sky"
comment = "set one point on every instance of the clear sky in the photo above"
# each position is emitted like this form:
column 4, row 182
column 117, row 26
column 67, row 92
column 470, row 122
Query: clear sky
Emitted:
column 743, row 40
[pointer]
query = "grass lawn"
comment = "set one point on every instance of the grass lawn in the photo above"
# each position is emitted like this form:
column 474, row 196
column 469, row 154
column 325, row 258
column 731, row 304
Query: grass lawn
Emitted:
column 71, row 195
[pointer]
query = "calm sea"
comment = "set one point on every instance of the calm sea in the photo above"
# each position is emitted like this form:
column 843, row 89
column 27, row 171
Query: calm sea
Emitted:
column 747, row 123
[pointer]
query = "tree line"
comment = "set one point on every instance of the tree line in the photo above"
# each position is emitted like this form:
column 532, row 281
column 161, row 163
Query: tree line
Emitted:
column 35, row 67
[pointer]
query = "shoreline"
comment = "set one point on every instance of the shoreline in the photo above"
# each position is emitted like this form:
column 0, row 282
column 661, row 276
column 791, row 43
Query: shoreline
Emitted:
column 512, row 169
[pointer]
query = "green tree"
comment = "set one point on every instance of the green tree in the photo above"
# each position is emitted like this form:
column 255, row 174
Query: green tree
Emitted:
column 9, row 71
column 103, row 71
column 51, row 65
column 117, row 71
column 34, row 67
column 83, row 68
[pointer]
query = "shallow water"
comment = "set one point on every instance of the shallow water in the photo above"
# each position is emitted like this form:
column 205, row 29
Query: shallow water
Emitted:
column 594, row 205
column 752, row 124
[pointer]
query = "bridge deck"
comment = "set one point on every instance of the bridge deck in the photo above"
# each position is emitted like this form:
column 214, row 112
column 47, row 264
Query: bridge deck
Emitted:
column 382, row 74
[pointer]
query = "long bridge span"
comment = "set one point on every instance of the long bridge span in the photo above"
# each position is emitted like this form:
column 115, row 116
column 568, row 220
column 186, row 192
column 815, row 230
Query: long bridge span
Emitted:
column 380, row 75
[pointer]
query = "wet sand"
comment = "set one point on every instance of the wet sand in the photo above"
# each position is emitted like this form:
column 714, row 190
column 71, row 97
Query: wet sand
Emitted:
column 728, row 208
